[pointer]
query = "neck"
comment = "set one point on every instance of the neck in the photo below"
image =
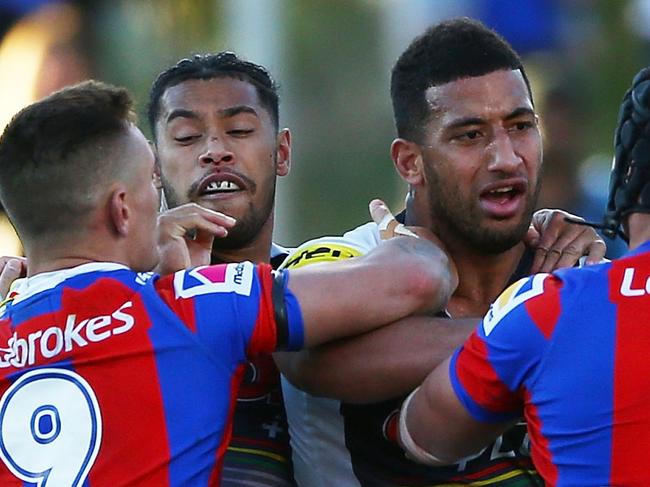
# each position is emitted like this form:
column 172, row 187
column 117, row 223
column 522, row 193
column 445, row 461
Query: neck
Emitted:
column 482, row 276
column 55, row 257
column 638, row 228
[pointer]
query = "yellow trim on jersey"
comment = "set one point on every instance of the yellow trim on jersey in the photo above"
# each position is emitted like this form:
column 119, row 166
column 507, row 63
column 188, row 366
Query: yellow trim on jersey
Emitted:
column 493, row 480
column 319, row 252
column 261, row 453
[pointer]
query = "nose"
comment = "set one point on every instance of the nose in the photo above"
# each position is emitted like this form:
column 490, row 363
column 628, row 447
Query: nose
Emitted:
column 502, row 153
column 215, row 152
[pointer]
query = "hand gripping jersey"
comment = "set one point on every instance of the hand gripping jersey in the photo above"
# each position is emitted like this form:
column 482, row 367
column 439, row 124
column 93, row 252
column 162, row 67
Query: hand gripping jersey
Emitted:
column 112, row 378
column 570, row 351
column 340, row 444
column 259, row 454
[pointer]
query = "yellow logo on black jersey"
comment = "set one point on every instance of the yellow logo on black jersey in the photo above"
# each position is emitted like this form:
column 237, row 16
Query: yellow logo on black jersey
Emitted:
column 319, row 252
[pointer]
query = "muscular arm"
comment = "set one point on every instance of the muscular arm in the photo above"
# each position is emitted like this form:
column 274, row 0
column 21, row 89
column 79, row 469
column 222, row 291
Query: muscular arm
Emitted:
column 400, row 277
column 439, row 424
column 378, row 365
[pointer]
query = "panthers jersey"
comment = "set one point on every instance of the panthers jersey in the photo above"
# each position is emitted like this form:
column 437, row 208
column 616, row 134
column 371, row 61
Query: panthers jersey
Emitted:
column 350, row 445
column 569, row 350
column 110, row 377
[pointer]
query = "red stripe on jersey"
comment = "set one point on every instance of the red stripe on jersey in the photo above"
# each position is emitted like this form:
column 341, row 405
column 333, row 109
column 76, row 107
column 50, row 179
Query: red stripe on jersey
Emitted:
column 235, row 382
column 540, row 451
column 130, row 402
column 631, row 421
column 264, row 339
column 7, row 479
column 545, row 309
column 182, row 307
column 480, row 380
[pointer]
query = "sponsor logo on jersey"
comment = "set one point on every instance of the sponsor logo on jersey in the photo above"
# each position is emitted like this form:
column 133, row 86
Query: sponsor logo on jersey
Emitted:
column 629, row 289
column 54, row 340
column 225, row 278
column 516, row 294
column 319, row 252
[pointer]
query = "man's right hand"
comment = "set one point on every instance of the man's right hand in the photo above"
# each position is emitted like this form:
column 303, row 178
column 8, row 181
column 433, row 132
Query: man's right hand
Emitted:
column 185, row 236
column 11, row 268
column 389, row 227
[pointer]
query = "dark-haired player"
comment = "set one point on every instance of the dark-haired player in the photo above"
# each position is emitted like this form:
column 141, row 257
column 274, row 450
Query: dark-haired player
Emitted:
column 566, row 350
column 215, row 123
column 469, row 147
column 110, row 375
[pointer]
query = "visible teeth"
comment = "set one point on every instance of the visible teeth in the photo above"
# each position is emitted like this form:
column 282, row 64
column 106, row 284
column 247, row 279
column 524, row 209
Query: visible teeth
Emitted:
column 222, row 186
column 502, row 190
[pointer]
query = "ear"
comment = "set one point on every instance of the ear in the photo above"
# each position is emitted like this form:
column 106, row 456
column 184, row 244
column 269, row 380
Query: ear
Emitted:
column 118, row 211
column 283, row 165
column 407, row 157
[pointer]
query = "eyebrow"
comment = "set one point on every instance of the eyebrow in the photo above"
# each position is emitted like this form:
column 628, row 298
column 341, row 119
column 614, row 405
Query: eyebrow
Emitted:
column 181, row 112
column 224, row 113
column 464, row 122
column 236, row 110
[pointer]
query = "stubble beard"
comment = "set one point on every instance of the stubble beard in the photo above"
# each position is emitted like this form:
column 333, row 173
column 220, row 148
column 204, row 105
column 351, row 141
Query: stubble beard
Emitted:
column 248, row 225
column 464, row 218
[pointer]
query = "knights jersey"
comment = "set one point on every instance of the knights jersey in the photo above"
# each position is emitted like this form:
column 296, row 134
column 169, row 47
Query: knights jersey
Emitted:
column 110, row 377
column 259, row 454
column 569, row 351
column 336, row 443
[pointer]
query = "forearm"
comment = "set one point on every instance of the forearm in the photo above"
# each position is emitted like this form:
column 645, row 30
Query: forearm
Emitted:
column 439, row 426
column 399, row 278
column 379, row 365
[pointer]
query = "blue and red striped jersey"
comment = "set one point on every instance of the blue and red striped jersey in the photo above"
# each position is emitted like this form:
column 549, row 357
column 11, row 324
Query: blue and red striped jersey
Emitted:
column 569, row 352
column 110, row 377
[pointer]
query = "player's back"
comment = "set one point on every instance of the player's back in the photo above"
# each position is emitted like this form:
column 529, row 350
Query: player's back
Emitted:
column 103, row 383
column 573, row 348
column 594, row 382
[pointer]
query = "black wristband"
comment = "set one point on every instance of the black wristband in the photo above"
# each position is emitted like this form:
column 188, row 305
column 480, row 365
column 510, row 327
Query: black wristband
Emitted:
column 280, row 309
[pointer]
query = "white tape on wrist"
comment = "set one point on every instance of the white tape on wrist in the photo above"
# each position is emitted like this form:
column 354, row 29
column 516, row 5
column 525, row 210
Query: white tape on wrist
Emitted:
column 400, row 229
column 383, row 224
column 414, row 451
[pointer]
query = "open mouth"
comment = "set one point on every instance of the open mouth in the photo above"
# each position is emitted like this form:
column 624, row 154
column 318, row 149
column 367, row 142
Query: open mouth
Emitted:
column 218, row 184
column 216, row 187
column 503, row 200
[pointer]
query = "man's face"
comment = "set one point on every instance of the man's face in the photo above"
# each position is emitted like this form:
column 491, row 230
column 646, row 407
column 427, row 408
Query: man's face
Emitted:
column 481, row 156
column 142, row 199
column 217, row 146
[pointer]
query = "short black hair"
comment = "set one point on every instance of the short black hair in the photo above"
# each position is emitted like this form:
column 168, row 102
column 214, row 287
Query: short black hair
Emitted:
column 208, row 66
column 56, row 152
column 447, row 51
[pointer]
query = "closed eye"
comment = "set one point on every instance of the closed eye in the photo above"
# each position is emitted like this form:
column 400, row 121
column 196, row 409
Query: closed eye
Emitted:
column 186, row 139
column 240, row 132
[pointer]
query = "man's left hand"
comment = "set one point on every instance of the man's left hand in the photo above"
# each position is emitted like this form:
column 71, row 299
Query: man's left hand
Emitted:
column 559, row 243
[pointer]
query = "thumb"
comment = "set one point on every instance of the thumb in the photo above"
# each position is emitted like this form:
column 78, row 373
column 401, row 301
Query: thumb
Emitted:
column 384, row 219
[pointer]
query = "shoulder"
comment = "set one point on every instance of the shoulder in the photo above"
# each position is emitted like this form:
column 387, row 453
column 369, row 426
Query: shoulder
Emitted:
column 237, row 278
column 354, row 243
column 518, row 298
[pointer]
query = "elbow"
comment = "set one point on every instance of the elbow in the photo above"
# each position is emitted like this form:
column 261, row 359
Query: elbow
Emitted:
column 432, row 285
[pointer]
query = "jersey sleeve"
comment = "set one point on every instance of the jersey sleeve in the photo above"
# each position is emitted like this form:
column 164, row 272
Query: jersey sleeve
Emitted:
column 491, row 372
column 230, row 308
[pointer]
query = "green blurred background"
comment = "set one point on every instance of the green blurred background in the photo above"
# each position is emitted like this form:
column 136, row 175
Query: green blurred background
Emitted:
column 332, row 59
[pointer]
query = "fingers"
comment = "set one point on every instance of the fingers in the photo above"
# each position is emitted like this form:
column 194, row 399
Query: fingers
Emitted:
column 562, row 243
column 192, row 219
column 389, row 227
column 185, row 236
column 12, row 269
column 596, row 251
